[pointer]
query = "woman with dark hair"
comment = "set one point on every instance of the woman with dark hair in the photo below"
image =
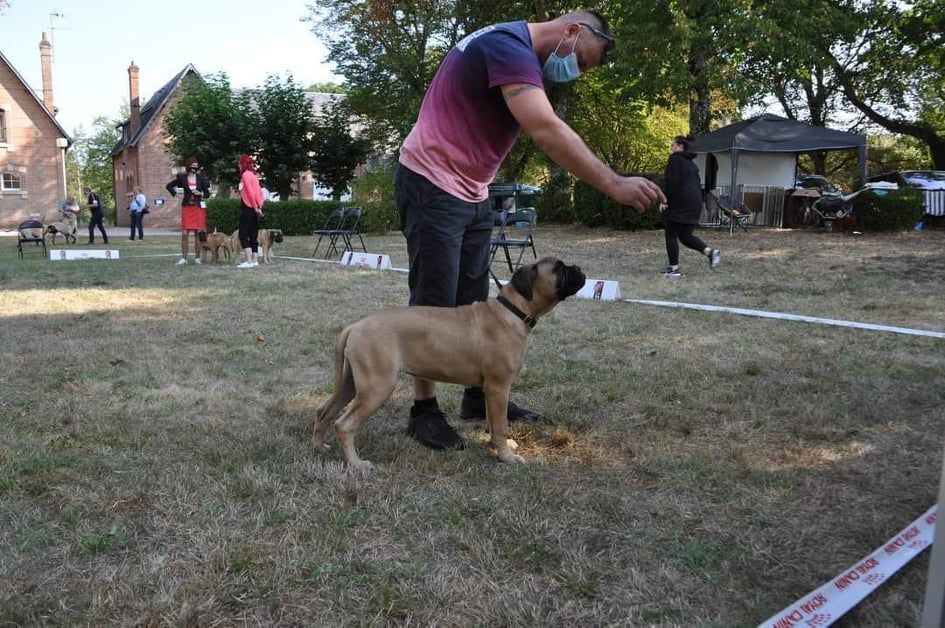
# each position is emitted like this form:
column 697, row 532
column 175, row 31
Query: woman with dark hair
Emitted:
column 193, row 207
column 683, row 206
column 251, row 201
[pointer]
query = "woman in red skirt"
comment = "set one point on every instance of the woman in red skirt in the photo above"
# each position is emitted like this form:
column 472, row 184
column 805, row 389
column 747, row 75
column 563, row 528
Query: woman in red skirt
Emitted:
column 193, row 210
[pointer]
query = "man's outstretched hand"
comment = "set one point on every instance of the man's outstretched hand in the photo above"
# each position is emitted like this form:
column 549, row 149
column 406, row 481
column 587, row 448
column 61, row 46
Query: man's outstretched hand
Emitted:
column 639, row 193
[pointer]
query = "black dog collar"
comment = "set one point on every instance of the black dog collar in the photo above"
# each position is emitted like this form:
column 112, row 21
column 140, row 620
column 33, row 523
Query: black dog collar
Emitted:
column 528, row 320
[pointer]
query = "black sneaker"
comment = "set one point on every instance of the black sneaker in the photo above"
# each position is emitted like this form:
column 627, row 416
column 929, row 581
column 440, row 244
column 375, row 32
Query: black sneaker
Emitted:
column 429, row 426
column 473, row 409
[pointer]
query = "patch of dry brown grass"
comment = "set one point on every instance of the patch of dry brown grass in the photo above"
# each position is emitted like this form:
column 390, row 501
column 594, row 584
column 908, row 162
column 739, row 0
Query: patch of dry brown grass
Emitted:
column 694, row 468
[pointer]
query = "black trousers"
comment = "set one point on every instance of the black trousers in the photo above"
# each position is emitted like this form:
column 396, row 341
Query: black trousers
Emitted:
column 137, row 222
column 97, row 220
column 448, row 241
column 249, row 228
column 677, row 232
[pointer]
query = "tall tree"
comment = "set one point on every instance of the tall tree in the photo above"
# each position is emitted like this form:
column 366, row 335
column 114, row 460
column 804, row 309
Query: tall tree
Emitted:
column 893, row 70
column 213, row 124
column 336, row 153
column 387, row 53
column 284, row 130
column 670, row 52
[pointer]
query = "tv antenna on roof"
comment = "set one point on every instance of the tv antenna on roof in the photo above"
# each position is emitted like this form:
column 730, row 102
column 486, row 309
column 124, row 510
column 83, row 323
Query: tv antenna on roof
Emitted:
column 52, row 28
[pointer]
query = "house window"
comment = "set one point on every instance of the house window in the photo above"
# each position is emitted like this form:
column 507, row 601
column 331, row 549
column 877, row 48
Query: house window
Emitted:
column 3, row 125
column 11, row 182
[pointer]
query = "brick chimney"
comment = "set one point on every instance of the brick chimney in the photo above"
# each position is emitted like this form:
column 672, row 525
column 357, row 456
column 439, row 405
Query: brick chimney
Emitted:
column 134, row 98
column 45, row 57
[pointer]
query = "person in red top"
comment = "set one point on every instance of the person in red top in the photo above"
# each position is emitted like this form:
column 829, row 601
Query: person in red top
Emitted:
column 251, row 199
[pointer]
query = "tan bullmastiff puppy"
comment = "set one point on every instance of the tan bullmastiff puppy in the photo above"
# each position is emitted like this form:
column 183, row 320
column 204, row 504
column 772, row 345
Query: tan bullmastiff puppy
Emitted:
column 482, row 344
column 266, row 238
column 213, row 242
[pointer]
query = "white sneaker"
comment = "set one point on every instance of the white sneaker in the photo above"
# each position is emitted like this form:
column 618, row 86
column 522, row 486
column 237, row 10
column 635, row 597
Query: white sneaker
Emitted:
column 245, row 265
column 197, row 260
column 181, row 261
column 255, row 263
column 715, row 258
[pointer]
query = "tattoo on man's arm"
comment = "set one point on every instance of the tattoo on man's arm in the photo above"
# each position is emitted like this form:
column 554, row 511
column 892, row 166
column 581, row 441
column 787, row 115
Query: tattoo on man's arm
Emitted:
column 518, row 90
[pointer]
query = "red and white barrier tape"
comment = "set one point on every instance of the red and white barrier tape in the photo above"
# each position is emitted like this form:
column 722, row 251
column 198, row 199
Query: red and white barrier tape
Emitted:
column 827, row 604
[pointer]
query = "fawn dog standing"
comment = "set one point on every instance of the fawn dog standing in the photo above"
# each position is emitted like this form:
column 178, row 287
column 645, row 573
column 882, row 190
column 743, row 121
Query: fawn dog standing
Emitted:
column 482, row 344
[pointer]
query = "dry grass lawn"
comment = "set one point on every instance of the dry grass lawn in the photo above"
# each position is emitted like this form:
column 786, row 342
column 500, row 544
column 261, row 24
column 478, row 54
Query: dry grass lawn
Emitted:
column 693, row 469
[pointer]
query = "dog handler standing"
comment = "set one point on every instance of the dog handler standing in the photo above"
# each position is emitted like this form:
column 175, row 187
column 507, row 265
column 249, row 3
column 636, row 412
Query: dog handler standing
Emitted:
column 193, row 207
column 488, row 88
column 251, row 201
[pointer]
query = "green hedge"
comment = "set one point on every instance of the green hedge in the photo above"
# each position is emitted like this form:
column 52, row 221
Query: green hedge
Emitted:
column 374, row 191
column 894, row 211
column 293, row 217
column 594, row 209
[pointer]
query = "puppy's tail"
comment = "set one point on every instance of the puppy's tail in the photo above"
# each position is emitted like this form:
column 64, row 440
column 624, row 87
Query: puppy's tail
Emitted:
column 344, row 383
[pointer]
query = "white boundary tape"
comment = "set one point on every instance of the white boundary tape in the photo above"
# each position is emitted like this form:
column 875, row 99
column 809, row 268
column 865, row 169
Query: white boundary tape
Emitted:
column 825, row 605
column 792, row 317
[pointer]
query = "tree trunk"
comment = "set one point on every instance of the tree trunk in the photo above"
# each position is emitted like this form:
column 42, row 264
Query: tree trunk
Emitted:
column 699, row 106
column 921, row 130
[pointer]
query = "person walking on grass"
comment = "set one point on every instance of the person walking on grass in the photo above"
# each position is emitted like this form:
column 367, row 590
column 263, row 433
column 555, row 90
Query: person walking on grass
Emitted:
column 683, row 207
column 488, row 89
column 94, row 202
column 193, row 207
column 251, row 202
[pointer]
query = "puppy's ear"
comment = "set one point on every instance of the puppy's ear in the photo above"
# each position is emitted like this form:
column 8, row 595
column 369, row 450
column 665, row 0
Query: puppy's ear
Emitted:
column 522, row 280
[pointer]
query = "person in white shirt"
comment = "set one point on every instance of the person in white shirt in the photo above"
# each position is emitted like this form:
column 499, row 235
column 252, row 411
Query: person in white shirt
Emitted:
column 139, row 203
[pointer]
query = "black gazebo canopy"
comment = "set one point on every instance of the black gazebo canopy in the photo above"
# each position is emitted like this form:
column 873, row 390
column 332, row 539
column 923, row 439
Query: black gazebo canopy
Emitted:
column 770, row 133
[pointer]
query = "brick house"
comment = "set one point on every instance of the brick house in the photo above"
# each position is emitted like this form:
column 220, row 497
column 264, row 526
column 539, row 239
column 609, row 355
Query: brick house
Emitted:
column 140, row 157
column 32, row 146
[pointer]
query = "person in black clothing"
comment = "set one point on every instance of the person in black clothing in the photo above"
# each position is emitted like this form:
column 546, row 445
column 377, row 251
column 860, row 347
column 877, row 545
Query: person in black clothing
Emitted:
column 193, row 209
column 94, row 202
column 683, row 207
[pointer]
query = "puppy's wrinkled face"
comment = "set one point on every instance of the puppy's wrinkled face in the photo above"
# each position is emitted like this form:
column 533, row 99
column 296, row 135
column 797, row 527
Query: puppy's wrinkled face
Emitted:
column 547, row 282
column 275, row 235
column 202, row 236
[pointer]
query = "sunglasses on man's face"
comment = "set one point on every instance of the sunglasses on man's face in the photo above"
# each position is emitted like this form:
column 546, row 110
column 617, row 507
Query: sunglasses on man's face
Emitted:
column 608, row 45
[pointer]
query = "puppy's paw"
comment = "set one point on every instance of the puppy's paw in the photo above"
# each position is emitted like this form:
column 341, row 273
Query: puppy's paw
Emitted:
column 512, row 443
column 362, row 466
column 508, row 456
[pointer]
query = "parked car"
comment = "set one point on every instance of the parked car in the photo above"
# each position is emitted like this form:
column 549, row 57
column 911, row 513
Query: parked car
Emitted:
column 815, row 182
column 922, row 179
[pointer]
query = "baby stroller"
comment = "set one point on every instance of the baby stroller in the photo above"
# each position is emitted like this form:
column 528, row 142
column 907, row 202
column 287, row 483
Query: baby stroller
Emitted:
column 833, row 206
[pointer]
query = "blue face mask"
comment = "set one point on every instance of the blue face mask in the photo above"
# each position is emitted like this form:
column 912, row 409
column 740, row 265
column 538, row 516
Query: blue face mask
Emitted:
column 562, row 69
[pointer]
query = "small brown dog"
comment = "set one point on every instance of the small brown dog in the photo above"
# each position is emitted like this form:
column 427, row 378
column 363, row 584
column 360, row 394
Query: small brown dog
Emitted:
column 213, row 242
column 266, row 238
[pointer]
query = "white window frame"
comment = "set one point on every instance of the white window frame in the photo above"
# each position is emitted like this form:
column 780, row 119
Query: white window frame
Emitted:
column 3, row 181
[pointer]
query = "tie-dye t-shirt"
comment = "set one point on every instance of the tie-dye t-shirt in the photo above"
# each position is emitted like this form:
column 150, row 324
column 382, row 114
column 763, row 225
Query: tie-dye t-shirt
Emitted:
column 465, row 129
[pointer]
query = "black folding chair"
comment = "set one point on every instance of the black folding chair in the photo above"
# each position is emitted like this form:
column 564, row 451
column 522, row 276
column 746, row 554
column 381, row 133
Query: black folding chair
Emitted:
column 514, row 232
column 352, row 228
column 31, row 231
column 333, row 229
column 732, row 215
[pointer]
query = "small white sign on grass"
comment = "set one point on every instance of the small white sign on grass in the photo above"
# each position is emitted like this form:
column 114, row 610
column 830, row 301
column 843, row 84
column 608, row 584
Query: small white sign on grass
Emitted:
column 65, row 255
column 599, row 290
column 373, row 261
